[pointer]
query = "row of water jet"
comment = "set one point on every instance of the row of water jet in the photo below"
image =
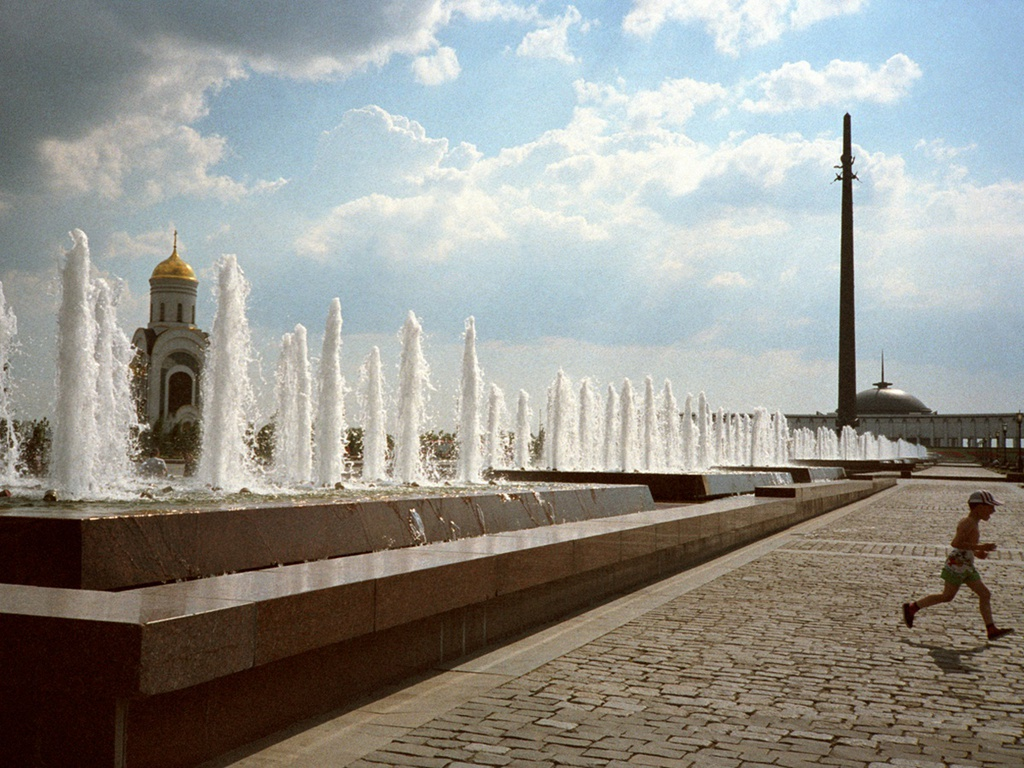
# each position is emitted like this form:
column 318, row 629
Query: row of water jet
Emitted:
column 94, row 418
column 652, row 434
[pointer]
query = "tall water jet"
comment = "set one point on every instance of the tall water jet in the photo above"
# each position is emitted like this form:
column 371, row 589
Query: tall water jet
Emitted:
column 611, row 429
column 689, row 436
column 522, row 444
column 651, row 438
column 375, row 438
column 9, row 449
column 330, row 417
column 670, row 427
column 494, row 456
column 116, row 416
column 562, row 423
column 627, row 429
column 589, row 426
column 228, row 403
column 413, row 381
column 293, row 455
column 469, row 460
column 74, row 450
column 705, row 448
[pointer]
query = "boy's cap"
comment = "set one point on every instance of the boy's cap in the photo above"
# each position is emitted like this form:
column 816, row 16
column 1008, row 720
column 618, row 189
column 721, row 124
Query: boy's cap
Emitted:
column 983, row 497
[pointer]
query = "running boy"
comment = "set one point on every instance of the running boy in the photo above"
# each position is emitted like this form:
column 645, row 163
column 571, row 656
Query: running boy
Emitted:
column 959, row 568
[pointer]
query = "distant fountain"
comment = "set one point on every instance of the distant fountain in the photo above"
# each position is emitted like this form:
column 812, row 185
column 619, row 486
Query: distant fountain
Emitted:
column 228, row 402
column 651, row 440
column 375, row 440
column 627, row 429
column 494, row 453
column 522, row 443
column 562, row 424
column 469, row 459
column 293, row 453
column 590, row 426
column 611, row 428
column 330, row 419
column 9, row 449
column 414, row 379
column 670, row 427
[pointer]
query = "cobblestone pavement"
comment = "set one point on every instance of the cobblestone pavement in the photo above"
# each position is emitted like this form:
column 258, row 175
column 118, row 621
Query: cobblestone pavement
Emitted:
column 796, row 658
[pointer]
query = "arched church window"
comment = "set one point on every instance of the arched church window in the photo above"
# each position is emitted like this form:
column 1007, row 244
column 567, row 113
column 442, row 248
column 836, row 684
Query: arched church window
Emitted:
column 179, row 313
column 193, row 314
column 161, row 311
column 179, row 391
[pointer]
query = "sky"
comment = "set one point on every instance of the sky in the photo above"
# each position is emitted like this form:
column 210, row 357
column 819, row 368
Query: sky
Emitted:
column 617, row 189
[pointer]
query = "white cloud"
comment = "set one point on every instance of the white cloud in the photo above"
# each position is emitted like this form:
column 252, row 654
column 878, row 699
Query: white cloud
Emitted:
column 440, row 68
column 728, row 280
column 941, row 150
column 551, row 39
column 798, row 85
column 488, row 10
column 735, row 24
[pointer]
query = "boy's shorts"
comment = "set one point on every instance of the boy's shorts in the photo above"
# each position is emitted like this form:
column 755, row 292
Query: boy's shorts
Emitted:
column 959, row 568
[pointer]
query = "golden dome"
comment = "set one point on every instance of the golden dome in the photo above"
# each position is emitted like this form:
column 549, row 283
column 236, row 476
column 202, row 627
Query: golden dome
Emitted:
column 174, row 266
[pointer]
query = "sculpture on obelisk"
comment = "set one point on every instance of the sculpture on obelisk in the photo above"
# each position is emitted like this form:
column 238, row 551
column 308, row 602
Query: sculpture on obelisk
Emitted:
column 846, row 413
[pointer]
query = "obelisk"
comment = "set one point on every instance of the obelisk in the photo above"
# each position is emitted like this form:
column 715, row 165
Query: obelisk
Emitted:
column 846, row 413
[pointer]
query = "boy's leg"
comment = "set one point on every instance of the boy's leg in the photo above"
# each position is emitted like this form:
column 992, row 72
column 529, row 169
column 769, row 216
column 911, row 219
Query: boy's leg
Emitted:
column 948, row 592
column 985, row 606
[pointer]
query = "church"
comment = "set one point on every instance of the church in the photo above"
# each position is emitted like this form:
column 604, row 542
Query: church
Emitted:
column 171, row 348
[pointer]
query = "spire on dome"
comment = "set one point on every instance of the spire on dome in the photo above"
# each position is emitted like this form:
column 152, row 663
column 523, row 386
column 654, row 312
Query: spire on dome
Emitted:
column 174, row 266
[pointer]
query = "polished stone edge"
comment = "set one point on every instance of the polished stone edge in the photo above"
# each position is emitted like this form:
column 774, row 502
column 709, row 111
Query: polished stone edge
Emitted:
column 244, row 639
column 665, row 487
column 137, row 548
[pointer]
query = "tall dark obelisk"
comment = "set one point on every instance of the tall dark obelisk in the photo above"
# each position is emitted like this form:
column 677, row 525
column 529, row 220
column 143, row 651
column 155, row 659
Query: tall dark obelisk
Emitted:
column 846, row 413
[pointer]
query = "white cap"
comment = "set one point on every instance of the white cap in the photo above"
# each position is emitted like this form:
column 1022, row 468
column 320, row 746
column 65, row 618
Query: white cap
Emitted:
column 983, row 497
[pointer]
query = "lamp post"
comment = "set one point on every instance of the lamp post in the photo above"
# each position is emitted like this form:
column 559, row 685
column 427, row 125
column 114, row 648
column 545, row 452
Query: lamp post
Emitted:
column 1004, row 445
column 1020, row 464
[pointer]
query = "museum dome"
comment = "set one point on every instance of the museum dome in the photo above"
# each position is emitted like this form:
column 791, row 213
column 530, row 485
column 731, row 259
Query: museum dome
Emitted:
column 888, row 401
column 174, row 266
column 885, row 399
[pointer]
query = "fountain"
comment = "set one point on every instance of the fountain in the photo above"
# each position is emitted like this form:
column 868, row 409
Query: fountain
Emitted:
column 582, row 433
column 375, row 441
column 293, row 436
column 468, row 467
column 494, row 454
column 228, row 401
column 523, row 418
column 413, row 382
column 330, row 419
column 9, row 452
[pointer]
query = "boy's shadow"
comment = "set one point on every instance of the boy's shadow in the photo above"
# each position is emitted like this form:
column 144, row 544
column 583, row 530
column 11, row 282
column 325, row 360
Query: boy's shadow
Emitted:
column 950, row 660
